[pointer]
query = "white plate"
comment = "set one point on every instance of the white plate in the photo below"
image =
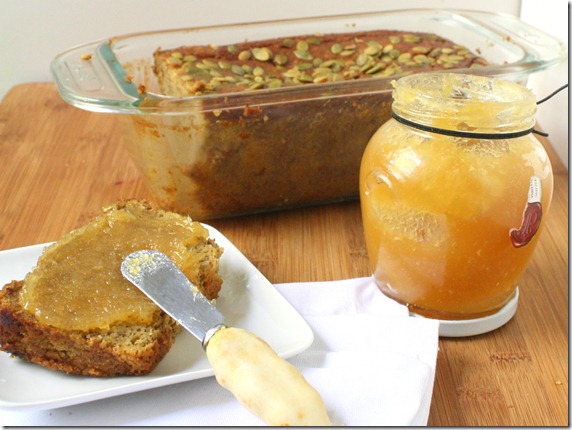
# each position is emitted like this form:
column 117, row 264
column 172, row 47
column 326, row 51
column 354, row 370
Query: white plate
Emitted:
column 247, row 300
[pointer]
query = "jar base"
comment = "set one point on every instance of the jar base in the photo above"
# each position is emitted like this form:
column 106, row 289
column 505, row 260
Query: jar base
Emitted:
column 476, row 326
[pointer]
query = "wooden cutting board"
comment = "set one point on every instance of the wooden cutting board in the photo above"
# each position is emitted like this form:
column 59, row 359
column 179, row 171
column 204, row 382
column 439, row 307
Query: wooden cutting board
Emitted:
column 60, row 165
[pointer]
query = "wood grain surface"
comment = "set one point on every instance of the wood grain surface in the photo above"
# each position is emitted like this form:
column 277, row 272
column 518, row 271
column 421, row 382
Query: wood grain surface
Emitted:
column 61, row 165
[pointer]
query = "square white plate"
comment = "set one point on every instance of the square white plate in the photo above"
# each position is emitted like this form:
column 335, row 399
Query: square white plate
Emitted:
column 247, row 300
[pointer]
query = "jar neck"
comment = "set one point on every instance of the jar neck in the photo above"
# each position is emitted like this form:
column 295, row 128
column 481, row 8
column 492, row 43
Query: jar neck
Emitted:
column 465, row 103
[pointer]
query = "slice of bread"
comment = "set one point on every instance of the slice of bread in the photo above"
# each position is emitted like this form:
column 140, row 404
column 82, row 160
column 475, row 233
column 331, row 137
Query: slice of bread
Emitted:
column 76, row 313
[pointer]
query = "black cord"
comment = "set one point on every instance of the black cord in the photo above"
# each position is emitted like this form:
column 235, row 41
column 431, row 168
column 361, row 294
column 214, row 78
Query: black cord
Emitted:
column 553, row 94
column 461, row 133
column 541, row 133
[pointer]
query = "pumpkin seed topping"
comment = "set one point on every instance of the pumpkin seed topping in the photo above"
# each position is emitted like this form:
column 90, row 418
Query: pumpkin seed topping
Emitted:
column 280, row 59
column 244, row 55
column 262, row 54
column 302, row 45
column 336, row 48
column 294, row 62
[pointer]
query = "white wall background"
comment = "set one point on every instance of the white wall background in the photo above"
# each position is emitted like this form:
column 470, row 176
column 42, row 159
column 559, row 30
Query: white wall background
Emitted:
column 33, row 32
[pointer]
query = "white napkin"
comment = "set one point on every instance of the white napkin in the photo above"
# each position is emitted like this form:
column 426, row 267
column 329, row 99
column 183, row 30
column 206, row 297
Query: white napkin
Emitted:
column 373, row 364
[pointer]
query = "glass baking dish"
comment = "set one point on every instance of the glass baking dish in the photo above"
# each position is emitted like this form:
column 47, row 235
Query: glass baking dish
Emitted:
column 298, row 145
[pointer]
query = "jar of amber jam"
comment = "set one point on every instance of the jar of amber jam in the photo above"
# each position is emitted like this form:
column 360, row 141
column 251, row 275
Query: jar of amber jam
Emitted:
column 454, row 190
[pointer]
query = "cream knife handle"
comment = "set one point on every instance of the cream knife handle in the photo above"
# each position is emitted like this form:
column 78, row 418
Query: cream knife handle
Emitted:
column 268, row 386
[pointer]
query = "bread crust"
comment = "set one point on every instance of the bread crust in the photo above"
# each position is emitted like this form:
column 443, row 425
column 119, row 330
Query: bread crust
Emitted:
column 77, row 352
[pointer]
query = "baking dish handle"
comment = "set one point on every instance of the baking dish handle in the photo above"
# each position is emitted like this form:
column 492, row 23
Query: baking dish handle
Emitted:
column 91, row 75
column 543, row 50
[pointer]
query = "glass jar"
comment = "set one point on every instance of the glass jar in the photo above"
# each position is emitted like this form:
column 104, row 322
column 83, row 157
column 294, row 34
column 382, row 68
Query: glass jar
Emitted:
column 453, row 191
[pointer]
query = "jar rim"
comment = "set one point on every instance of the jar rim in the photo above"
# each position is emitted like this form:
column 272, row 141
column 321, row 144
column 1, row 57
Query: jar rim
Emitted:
column 477, row 101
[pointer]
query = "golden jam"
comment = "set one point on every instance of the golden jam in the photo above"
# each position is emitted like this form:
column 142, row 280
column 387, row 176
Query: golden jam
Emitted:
column 78, row 285
column 451, row 222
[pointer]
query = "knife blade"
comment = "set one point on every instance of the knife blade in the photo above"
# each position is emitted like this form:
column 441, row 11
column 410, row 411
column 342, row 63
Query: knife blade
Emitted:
column 155, row 274
column 263, row 382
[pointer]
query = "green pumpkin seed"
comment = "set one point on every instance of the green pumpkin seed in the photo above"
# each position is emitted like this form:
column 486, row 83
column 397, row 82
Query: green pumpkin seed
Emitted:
column 255, row 86
column 303, row 55
column 244, row 55
column 274, row 83
column 336, row 48
column 304, row 66
column 372, row 50
column 321, row 78
column 302, row 45
column 456, row 58
column 362, row 59
column 236, row 69
column 411, row 38
column 321, row 71
column 366, row 67
column 174, row 61
column 281, row 59
column 394, row 53
column 210, row 64
column 406, row 56
column 420, row 50
column 292, row 73
column 262, row 54
column 375, row 69
column 435, row 52
column 220, row 79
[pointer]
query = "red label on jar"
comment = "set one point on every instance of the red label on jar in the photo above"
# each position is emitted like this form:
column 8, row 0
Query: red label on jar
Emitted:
column 531, row 216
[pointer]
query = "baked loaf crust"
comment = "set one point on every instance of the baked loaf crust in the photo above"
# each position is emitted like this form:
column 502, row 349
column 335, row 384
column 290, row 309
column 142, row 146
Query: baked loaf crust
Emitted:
column 77, row 329
column 196, row 70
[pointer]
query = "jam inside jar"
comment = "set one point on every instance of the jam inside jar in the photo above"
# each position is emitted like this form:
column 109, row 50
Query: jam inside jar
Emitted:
column 454, row 190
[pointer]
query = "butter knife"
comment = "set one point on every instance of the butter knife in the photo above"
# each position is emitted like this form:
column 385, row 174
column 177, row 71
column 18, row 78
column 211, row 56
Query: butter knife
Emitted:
column 246, row 365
